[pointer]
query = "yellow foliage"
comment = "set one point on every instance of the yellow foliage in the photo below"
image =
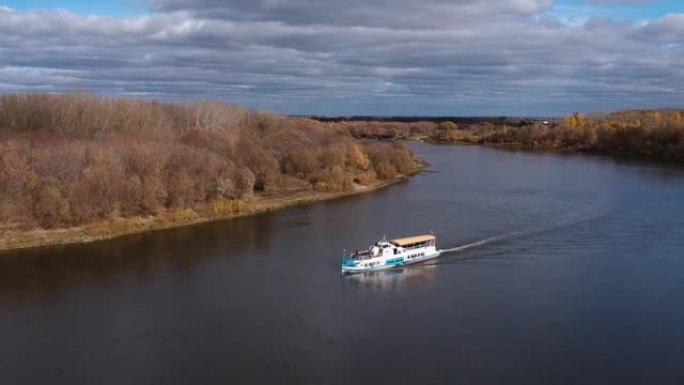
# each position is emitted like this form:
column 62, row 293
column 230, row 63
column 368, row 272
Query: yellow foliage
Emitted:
column 225, row 207
column 366, row 178
column 358, row 157
column 181, row 215
column 32, row 180
column 575, row 120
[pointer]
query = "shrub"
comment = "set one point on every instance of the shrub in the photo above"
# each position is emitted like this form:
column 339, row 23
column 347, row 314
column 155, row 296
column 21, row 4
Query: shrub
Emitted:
column 50, row 208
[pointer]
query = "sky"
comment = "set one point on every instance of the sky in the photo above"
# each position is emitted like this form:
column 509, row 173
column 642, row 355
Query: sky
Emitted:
column 354, row 57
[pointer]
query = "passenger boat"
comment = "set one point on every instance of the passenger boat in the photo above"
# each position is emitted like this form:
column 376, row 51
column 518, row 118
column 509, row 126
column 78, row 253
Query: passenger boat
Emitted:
column 386, row 254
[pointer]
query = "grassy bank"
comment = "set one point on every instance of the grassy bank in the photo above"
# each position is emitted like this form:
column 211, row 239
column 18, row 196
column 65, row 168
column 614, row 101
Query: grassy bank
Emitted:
column 217, row 210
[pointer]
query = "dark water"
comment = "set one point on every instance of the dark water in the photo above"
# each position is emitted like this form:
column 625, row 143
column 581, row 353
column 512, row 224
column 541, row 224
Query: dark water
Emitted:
column 588, row 287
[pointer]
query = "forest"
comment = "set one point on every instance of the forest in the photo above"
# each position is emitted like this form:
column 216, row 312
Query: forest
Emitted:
column 67, row 160
column 646, row 134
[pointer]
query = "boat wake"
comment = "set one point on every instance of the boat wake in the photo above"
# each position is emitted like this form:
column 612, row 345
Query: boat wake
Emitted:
column 567, row 222
column 480, row 243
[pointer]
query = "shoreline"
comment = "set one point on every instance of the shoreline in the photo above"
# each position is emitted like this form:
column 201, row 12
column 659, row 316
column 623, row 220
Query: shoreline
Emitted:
column 219, row 210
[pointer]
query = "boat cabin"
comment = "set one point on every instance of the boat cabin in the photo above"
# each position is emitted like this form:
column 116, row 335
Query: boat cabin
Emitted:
column 395, row 246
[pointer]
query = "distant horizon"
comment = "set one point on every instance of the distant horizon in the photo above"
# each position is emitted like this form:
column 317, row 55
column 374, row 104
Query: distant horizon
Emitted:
column 343, row 116
column 360, row 57
column 466, row 116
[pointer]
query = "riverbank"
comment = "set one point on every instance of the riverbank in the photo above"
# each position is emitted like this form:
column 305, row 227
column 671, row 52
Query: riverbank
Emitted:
column 654, row 135
column 218, row 210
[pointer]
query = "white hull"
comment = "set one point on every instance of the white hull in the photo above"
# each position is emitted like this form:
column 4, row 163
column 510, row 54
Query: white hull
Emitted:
column 388, row 262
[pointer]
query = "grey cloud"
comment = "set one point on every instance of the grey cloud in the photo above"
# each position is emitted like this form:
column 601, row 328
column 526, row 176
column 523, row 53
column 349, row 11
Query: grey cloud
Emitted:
column 511, row 59
column 669, row 29
column 371, row 13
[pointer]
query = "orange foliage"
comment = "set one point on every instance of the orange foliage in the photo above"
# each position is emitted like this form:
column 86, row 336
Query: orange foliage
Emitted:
column 72, row 159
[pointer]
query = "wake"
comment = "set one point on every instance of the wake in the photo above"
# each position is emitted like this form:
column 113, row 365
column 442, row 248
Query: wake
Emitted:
column 563, row 224
column 480, row 243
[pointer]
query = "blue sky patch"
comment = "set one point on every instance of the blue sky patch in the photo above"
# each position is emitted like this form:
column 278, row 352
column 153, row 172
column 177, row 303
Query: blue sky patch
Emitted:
column 121, row 8
column 567, row 10
column 629, row 10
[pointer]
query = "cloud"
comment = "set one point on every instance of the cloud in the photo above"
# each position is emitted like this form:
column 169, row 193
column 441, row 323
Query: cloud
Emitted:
column 358, row 57
column 368, row 13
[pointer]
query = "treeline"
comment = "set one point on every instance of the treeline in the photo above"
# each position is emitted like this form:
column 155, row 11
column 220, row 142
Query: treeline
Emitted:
column 648, row 134
column 512, row 121
column 389, row 130
column 424, row 129
column 71, row 159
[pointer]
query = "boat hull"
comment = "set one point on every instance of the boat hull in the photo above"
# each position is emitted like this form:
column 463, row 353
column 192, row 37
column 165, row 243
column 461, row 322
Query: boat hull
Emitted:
column 351, row 269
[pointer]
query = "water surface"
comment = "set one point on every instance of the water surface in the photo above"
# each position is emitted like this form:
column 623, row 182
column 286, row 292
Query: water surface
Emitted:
column 586, row 287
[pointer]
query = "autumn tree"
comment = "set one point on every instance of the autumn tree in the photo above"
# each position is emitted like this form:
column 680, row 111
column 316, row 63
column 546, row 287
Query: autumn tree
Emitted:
column 76, row 158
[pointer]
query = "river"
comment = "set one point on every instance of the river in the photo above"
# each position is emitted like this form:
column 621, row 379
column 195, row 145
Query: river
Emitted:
column 584, row 285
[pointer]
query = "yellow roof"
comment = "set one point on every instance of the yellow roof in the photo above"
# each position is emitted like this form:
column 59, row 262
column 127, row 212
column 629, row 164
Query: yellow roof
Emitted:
column 412, row 240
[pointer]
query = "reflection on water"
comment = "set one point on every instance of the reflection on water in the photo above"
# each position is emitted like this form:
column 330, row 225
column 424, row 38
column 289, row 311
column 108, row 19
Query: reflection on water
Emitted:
column 392, row 278
column 48, row 272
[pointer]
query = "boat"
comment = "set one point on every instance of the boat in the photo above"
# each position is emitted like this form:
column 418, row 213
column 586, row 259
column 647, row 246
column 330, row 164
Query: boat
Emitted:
column 386, row 254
